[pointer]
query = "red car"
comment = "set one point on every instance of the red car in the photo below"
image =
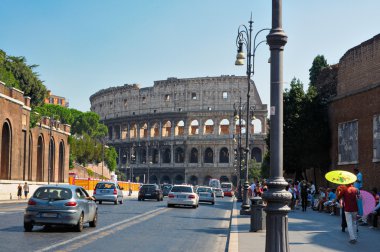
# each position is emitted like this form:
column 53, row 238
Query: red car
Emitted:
column 227, row 189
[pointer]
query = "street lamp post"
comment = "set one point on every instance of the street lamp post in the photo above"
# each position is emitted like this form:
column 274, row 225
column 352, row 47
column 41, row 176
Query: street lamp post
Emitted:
column 51, row 148
column 276, row 196
column 245, row 38
column 237, row 116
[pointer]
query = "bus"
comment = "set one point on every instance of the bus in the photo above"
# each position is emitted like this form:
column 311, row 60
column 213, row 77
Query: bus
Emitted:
column 214, row 183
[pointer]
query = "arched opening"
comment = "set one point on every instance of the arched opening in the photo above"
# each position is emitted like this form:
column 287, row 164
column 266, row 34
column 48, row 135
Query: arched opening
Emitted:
column 143, row 130
column 179, row 155
column 133, row 131
column 194, row 180
column 110, row 132
column 155, row 131
column 30, row 159
column 209, row 156
column 165, row 180
column 179, row 128
column 224, row 155
column 224, row 127
column 124, row 131
column 166, row 129
column 257, row 154
column 166, row 157
column 209, row 127
column 117, row 132
column 178, row 179
column 207, row 180
column 142, row 156
column 61, row 162
column 256, row 126
column 6, row 147
column 153, row 179
column 155, row 156
column 51, row 163
column 224, row 179
column 194, row 155
column 194, row 128
column 40, row 159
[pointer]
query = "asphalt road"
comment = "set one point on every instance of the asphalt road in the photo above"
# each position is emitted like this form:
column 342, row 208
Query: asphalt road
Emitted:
column 134, row 226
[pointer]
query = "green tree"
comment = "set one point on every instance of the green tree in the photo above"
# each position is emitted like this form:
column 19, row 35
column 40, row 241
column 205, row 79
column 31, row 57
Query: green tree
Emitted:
column 319, row 63
column 110, row 158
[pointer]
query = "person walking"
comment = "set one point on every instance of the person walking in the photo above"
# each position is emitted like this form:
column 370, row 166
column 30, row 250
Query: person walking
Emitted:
column 350, row 195
column 359, row 182
column 339, row 195
column 304, row 195
column 19, row 191
column 26, row 190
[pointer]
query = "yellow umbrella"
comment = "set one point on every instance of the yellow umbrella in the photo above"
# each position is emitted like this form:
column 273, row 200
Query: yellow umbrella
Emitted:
column 341, row 177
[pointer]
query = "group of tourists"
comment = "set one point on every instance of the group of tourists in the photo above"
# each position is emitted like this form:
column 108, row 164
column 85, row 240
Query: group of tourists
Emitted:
column 24, row 188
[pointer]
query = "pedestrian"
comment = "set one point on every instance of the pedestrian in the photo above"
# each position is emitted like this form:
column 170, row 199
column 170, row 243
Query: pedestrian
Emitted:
column 297, row 194
column 19, row 191
column 359, row 182
column 339, row 195
column 304, row 195
column 350, row 196
column 26, row 190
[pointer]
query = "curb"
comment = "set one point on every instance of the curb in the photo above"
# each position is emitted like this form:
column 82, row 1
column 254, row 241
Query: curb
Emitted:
column 233, row 238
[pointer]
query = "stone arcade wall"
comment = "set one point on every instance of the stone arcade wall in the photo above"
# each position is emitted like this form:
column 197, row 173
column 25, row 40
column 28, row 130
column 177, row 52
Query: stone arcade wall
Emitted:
column 156, row 130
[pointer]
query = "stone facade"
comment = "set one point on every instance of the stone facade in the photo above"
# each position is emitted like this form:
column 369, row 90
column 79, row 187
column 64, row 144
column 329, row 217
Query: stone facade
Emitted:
column 181, row 130
column 24, row 151
column 355, row 113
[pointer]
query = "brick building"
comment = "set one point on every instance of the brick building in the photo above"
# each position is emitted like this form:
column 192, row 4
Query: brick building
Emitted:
column 56, row 100
column 355, row 113
column 26, row 154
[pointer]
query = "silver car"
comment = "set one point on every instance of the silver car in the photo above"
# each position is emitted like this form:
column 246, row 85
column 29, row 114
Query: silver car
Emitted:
column 206, row 194
column 108, row 191
column 60, row 205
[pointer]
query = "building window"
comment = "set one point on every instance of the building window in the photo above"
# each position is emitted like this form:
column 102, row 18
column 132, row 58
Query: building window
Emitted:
column 180, row 109
column 348, row 142
column 133, row 113
column 144, row 99
column 225, row 95
column 209, row 108
column 376, row 138
column 125, row 103
column 154, row 111
column 194, row 96
column 167, row 97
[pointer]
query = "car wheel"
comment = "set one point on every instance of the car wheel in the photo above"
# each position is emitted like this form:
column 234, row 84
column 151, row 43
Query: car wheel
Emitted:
column 28, row 226
column 195, row 206
column 79, row 226
column 100, row 202
column 94, row 222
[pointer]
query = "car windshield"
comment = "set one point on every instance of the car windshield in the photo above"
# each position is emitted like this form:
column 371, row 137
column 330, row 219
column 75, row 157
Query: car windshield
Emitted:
column 186, row 189
column 56, row 193
column 105, row 186
column 204, row 189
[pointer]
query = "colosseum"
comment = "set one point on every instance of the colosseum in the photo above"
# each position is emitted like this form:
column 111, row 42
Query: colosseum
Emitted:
column 182, row 130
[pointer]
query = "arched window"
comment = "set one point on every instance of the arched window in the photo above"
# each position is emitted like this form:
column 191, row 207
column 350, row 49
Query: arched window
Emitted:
column 166, row 157
column 6, row 151
column 178, row 179
column 209, row 156
column 155, row 156
column 194, row 180
column 257, row 154
column 155, row 131
column 256, row 125
column 194, row 155
column 110, row 132
column 224, row 127
column 224, row 155
column 40, row 159
column 194, row 128
column 61, row 162
column 51, row 163
column 209, row 127
column 143, row 130
column 133, row 130
column 142, row 155
column 179, row 155
column 166, row 129
column 165, row 180
column 30, row 155
column 117, row 132
column 180, row 128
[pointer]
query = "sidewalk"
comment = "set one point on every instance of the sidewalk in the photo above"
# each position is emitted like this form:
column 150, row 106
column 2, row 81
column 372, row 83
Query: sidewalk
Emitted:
column 309, row 231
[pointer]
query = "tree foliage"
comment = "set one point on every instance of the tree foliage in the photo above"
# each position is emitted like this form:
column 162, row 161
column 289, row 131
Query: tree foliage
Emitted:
column 319, row 63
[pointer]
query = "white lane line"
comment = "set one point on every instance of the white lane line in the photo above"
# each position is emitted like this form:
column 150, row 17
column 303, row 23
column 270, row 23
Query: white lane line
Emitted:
column 101, row 230
column 233, row 245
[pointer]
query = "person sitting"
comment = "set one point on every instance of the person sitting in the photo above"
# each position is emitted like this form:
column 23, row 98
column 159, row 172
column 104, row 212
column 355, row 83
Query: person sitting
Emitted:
column 331, row 201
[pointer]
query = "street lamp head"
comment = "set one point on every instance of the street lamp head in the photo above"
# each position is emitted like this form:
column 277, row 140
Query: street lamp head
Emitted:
column 240, row 57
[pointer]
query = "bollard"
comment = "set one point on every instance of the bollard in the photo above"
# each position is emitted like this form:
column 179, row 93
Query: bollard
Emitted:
column 257, row 214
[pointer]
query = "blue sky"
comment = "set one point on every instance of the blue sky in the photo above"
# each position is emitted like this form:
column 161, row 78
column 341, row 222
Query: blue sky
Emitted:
column 87, row 45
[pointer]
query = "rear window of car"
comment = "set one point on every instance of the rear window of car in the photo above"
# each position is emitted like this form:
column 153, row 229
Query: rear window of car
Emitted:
column 186, row 189
column 151, row 187
column 167, row 186
column 229, row 186
column 56, row 193
column 105, row 186
column 204, row 189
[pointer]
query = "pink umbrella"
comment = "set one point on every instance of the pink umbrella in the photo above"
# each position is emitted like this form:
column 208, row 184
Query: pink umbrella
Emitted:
column 368, row 202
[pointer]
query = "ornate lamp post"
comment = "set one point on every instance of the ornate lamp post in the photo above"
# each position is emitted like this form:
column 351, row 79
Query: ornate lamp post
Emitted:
column 52, row 121
column 276, row 196
column 244, row 38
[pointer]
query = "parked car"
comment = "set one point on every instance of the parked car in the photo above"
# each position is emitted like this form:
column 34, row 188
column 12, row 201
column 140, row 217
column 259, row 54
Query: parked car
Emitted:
column 218, row 192
column 227, row 189
column 150, row 191
column 166, row 189
column 206, row 194
column 183, row 195
column 108, row 191
column 60, row 205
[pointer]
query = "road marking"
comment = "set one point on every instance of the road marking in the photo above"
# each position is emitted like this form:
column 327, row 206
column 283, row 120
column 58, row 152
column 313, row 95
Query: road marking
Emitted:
column 233, row 245
column 85, row 239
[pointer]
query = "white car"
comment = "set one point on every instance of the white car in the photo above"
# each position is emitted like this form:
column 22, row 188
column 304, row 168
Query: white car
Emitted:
column 218, row 192
column 206, row 194
column 183, row 195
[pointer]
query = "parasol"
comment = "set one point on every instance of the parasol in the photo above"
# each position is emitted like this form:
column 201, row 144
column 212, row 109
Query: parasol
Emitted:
column 341, row 177
column 368, row 202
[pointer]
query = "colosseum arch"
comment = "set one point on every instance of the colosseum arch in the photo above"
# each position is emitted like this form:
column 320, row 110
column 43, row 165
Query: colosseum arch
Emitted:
column 124, row 131
column 143, row 155
column 154, row 130
column 40, row 159
column 194, row 128
column 166, row 155
column 257, row 154
column 6, row 151
column 30, row 160
column 133, row 130
column 117, row 130
column 257, row 129
column 110, row 132
column 155, row 156
column 143, row 130
column 180, row 128
column 178, row 179
column 208, row 127
column 153, row 179
column 240, row 124
column 166, row 129
column 224, row 155
column 224, row 127
column 51, row 160
column 61, row 162
column 194, row 180
column 179, row 155
column 165, row 179
column 209, row 155
column 194, row 155
column 206, row 180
